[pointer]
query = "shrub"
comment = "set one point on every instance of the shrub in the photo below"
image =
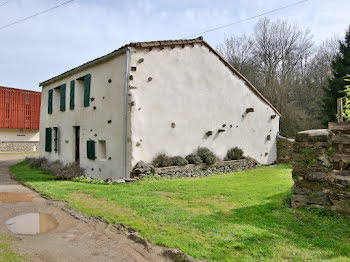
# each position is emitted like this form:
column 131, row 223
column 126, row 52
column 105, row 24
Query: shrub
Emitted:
column 53, row 168
column 70, row 171
column 210, row 158
column 234, row 153
column 36, row 162
column 194, row 159
column 178, row 161
column 206, row 155
column 161, row 160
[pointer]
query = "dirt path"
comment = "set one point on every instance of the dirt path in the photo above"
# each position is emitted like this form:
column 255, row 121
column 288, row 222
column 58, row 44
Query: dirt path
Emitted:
column 72, row 239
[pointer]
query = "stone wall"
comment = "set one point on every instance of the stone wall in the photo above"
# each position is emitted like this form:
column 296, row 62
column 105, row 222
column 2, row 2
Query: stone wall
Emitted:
column 284, row 149
column 311, row 164
column 141, row 169
column 316, row 183
column 19, row 146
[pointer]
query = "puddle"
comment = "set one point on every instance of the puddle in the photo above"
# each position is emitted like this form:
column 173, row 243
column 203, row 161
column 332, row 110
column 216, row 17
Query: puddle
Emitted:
column 31, row 224
column 16, row 197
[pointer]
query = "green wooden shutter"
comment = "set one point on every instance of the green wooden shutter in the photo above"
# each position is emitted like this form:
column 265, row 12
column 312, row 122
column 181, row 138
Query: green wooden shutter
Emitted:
column 48, row 140
column 71, row 101
column 87, row 84
column 63, row 97
column 90, row 149
column 49, row 108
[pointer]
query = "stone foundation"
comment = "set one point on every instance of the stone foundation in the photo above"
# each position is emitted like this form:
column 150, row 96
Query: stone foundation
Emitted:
column 19, row 146
column 191, row 170
column 284, row 149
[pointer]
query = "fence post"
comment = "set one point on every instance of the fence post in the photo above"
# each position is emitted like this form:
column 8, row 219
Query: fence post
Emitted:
column 340, row 109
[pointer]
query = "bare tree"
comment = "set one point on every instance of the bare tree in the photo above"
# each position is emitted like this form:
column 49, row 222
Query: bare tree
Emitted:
column 238, row 50
column 281, row 60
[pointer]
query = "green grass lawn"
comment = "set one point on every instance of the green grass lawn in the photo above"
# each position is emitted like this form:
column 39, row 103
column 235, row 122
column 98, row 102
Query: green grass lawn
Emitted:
column 243, row 216
column 6, row 253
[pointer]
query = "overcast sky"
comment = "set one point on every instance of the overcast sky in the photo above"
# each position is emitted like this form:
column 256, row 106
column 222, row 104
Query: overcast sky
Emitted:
column 47, row 45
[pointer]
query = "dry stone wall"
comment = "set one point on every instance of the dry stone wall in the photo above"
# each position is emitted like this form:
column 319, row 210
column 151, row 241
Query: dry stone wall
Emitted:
column 142, row 169
column 284, row 149
column 19, row 146
column 316, row 181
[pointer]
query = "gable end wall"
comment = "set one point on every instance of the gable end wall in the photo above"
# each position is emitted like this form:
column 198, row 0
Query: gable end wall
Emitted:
column 190, row 87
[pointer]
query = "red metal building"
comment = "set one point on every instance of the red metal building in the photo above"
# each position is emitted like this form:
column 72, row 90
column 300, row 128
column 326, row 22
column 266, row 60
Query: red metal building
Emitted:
column 19, row 108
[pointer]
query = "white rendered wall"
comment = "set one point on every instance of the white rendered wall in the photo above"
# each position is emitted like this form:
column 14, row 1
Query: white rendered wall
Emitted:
column 192, row 88
column 12, row 134
column 108, row 99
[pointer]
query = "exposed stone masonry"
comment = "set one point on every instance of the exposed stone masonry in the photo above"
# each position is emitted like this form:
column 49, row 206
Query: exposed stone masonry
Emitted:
column 141, row 169
column 317, row 182
column 19, row 146
column 284, row 149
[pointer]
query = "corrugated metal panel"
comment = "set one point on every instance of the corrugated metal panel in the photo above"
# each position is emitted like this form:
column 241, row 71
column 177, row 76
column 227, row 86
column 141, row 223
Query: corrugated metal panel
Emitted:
column 19, row 108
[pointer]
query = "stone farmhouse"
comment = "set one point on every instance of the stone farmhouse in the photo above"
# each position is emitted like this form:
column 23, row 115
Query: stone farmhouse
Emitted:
column 19, row 120
column 147, row 98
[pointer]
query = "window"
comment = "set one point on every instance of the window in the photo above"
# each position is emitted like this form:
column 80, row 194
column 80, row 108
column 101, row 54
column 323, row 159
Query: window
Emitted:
column 71, row 99
column 48, row 137
column 49, row 106
column 91, row 149
column 59, row 98
column 85, row 82
column 102, row 153
column 56, row 99
column 56, row 139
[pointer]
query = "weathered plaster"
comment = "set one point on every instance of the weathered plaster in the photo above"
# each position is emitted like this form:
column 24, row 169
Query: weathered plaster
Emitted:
column 175, row 95
column 192, row 88
column 108, row 100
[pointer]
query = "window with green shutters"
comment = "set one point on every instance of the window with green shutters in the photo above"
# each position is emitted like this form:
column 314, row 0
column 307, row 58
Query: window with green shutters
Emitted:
column 48, row 139
column 63, row 97
column 91, row 149
column 87, row 86
column 72, row 89
column 49, row 103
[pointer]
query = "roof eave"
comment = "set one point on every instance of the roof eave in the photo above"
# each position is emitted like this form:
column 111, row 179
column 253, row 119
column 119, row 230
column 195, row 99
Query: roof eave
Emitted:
column 83, row 66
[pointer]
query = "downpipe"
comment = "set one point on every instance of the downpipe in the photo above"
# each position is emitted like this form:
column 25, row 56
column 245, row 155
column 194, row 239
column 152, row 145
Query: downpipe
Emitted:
column 125, row 119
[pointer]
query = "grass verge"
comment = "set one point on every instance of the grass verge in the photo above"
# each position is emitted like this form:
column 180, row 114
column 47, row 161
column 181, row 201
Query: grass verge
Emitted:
column 244, row 216
column 6, row 253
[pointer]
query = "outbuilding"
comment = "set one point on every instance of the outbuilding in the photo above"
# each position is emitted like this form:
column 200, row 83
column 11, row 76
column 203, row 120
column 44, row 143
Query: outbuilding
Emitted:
column 146, row 98
column 19, row 120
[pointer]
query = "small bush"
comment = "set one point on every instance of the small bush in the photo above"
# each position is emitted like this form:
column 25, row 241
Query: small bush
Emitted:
column 178, row 161
column 70, row 171
column 206, row 155
column 234, row 153
column 53, row 168
column 202, row 152
column 36, row 162
column 162, row 160
column 210, row 158
column 194, row 159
